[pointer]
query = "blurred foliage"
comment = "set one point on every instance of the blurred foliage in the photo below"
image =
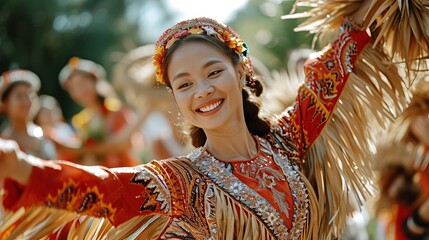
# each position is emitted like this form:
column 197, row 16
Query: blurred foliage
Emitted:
column 270, row 38
column 42, row 35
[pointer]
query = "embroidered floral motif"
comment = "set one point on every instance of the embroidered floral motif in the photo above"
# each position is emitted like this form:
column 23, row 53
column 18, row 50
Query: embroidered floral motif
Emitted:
column 72, row 198
column 222, row 174
column 299, row 192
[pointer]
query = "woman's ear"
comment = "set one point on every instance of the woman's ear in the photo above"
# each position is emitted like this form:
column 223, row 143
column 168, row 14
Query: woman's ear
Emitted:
column 241, row 76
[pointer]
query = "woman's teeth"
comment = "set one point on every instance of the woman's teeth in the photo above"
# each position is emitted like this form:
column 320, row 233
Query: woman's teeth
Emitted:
column 210, row 107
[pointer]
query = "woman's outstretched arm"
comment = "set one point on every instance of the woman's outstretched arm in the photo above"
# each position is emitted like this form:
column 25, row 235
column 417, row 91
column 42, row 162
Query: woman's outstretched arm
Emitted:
column 117, row 194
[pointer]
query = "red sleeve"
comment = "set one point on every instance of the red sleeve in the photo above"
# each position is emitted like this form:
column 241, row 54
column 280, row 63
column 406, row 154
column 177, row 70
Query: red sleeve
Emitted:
column 326, row 77
column 117, row 194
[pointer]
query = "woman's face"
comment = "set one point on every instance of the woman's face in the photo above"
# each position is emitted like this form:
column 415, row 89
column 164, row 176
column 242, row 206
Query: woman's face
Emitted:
column 205, row 85
column 82, row 90
column 18, row 103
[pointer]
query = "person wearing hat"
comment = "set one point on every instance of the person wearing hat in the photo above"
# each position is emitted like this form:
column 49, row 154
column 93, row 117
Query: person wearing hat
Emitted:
column 102, row 118
column 18, row 90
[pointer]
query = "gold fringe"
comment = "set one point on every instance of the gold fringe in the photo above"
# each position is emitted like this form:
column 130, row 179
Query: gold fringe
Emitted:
column 246, row 224
column 310, row 231
column 43, row 222
column 34, row 223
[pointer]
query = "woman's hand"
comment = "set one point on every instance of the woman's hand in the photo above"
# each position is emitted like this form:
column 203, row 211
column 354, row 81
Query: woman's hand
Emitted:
column 14, row 164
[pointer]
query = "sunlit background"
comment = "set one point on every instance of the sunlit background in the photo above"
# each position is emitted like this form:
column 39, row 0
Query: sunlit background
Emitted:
column 42, row 35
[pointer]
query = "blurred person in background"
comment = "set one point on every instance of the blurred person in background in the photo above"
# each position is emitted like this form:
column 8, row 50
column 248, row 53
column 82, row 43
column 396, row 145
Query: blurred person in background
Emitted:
column 18, row 92
column 50, row 118
column 248, row 177
column 403, row 158
column 134, row 77
column 102, row 119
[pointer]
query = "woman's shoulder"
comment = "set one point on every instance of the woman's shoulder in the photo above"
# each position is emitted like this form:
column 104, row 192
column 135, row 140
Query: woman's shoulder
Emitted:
column 176, row 166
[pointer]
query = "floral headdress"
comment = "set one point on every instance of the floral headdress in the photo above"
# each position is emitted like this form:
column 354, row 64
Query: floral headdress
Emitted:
column 207, row 27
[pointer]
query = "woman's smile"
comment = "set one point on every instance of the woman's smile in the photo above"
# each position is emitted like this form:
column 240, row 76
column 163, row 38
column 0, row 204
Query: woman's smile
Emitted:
column 206, row 87
column 210, row 107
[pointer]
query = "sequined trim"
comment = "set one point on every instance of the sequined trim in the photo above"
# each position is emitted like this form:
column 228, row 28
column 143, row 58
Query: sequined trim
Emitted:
column 299, row 192
column 221, row 174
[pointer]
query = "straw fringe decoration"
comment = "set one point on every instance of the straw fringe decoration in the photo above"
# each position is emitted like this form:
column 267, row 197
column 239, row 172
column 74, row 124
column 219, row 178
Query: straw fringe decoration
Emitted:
column 401, row 26
column 399, row 148
column 48, row 223
column 226, row 208
column 338, row 164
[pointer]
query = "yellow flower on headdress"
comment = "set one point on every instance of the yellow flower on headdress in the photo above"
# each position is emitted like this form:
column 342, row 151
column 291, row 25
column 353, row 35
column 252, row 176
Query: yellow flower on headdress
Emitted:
column 157, row 62
column 226, row 36
column 240, row 48
column 199, row 26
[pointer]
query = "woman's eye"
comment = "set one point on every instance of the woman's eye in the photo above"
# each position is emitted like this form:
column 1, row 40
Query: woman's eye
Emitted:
column 184, row 85
column 215, row 73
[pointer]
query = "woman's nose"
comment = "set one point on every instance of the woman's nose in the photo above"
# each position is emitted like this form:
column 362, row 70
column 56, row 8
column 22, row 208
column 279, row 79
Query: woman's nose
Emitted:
column 204, row 90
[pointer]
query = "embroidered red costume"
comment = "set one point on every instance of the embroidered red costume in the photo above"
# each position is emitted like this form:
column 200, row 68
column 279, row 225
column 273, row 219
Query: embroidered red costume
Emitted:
column 198, row 196
column 297, row 187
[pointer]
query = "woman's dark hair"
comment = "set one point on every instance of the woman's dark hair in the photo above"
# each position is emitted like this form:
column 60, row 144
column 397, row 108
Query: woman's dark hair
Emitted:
column 9, row 89
column 256, row 125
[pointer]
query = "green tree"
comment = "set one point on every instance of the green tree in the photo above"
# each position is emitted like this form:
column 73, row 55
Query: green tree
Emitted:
column 270, row 38
column 42, row 35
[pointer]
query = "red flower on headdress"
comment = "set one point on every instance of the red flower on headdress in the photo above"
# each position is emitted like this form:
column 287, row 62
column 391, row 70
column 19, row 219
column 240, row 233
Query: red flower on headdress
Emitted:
column 201, row 26
column 181, row 34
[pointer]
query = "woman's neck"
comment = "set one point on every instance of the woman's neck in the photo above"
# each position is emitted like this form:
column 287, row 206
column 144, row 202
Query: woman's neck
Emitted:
column 238, row 144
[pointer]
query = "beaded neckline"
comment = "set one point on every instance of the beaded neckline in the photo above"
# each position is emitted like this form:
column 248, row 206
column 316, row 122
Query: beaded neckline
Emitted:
column 221, row 173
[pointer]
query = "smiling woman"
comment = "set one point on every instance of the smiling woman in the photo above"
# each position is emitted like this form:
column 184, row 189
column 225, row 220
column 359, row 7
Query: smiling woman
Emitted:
column 248, row 178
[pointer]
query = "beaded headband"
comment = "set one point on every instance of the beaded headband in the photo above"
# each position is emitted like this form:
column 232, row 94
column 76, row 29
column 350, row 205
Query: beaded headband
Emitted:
column 200, row 26
column 19, row 75
column 83, row 65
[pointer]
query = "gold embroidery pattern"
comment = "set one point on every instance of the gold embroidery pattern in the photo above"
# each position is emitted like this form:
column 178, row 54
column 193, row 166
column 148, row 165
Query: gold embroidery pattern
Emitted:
column 222, row 175
column 191, row 224
column 70, row 197
column 157, row 193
